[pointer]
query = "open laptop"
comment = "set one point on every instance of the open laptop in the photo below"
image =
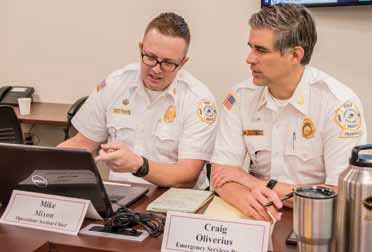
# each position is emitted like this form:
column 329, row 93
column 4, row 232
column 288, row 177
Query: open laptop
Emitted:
column 60, row 171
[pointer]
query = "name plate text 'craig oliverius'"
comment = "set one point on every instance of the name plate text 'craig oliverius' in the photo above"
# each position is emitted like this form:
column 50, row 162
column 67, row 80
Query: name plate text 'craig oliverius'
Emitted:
column 195, row 232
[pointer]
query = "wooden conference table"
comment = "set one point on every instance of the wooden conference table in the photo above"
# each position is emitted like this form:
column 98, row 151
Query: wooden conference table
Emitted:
column 13, row 238
column 54, row 114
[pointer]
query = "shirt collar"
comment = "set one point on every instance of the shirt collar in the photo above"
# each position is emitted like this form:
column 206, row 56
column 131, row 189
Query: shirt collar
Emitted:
column 299, row 99
column 138, row 85
column 264, row 98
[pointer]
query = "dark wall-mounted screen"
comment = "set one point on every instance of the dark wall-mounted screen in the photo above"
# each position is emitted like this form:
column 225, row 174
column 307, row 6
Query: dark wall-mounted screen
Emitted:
column 318, row 3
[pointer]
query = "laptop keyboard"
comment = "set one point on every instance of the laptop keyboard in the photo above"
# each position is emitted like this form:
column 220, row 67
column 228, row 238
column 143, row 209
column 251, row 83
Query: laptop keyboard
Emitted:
column 124, row 195
column 115, row 192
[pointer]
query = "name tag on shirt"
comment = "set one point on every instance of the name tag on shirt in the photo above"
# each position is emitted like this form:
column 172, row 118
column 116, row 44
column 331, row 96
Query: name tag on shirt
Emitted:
column 253, row 132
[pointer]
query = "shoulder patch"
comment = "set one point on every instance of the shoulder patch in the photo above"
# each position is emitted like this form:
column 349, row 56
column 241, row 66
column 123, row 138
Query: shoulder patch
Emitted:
column 101, row 85
column 348, row 118
column 206, row 111
column 229, row 101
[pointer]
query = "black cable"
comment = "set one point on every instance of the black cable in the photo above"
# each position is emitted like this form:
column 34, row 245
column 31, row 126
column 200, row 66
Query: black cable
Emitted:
column 124, row 220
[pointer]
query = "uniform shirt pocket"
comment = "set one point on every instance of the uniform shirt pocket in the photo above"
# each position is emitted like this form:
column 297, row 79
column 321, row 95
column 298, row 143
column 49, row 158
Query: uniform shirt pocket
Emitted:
column 304, row 149
column 166, row 140
column 305, row 158
column 259, row 151
column 122, row 130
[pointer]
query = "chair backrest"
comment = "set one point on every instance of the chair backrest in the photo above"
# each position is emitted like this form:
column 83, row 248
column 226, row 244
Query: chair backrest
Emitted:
column 10, row 128
column 71, row 113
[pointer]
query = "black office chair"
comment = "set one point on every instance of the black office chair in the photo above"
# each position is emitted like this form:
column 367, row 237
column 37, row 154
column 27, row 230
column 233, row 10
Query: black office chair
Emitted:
column 10, row 128
column 71, row 113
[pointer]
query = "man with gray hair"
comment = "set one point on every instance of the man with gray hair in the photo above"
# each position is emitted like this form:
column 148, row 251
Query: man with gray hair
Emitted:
column 296, row 123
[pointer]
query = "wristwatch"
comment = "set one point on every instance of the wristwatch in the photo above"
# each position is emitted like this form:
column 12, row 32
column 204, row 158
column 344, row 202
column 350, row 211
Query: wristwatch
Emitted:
column 143, row 170
column 271, row 183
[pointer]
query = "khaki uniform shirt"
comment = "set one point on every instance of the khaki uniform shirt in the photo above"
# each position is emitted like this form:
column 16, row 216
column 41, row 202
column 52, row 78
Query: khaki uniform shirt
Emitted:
column 307, row 141
column 179, row 124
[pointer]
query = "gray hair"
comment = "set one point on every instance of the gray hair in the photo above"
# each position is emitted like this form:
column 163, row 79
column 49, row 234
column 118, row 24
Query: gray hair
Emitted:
column 292, row 24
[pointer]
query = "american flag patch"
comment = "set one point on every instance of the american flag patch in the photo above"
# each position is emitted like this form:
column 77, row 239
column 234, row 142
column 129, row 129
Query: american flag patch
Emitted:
column 101, row 85
column 229, row 101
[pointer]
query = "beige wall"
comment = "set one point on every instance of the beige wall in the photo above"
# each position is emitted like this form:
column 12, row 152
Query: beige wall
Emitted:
column 64, row 48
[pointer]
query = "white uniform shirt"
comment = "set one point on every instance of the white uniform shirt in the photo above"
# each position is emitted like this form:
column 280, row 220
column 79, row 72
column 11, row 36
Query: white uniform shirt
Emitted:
column 307, row 141
column 179, row 124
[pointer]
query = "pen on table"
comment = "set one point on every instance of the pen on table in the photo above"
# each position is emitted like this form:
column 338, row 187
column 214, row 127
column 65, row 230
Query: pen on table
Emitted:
column 285, row 197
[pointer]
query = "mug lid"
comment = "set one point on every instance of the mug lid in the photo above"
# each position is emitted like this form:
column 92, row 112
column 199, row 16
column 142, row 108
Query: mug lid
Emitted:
column 361, row 160
column 315, row 192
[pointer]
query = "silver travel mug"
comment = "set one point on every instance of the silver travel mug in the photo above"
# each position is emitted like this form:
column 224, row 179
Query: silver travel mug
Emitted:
column 313, row 218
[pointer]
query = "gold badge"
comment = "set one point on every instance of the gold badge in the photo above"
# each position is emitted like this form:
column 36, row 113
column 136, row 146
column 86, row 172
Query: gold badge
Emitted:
column 174, row 91
column 308, row 128
column 253, row 132
column 206, row 111
column 170, row 114
column 125, row 102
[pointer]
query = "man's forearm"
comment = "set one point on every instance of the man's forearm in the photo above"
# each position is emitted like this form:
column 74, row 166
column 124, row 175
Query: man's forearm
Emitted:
column 80, row 142
column 174, row 175
column 230, row 193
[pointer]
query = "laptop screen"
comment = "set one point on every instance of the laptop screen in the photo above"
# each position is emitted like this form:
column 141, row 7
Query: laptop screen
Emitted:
column 51, row 170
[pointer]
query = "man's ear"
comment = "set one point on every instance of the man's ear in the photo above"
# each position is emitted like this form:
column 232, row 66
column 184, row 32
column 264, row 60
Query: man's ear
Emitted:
column 297, row 54
column 140, row 46
column 184, row 61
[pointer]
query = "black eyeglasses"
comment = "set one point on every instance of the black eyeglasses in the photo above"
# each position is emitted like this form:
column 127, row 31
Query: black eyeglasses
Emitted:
column 152, row 61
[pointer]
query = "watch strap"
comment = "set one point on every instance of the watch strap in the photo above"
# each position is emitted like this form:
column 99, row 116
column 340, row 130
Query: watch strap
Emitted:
column 143, row 170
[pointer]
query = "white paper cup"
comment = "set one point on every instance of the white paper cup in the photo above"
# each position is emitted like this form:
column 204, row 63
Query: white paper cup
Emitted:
column 24, row 106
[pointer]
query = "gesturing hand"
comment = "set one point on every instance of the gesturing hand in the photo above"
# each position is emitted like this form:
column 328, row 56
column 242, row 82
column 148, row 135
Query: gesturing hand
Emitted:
column 119, row 157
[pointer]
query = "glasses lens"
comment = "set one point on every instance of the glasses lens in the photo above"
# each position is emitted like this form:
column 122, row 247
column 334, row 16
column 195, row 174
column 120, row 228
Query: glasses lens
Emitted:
column 168, row 66
column 148, row 60
column 153, row 61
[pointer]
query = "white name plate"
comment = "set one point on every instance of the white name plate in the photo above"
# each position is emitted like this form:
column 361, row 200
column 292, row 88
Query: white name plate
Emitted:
column 46, row 212
column 195, row 232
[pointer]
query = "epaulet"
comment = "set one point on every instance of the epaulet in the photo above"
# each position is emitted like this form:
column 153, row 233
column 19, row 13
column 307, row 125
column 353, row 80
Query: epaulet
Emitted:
column 119, row 73
column 244, row 85
column 236, row 90
column 196, row 86
column 338, row 89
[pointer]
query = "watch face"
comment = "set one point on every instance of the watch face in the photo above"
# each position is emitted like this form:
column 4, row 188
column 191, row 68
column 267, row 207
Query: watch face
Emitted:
column 271, row 183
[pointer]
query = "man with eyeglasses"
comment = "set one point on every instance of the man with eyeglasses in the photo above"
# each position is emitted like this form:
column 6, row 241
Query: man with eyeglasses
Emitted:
column 296, row 123
column 158, row 120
